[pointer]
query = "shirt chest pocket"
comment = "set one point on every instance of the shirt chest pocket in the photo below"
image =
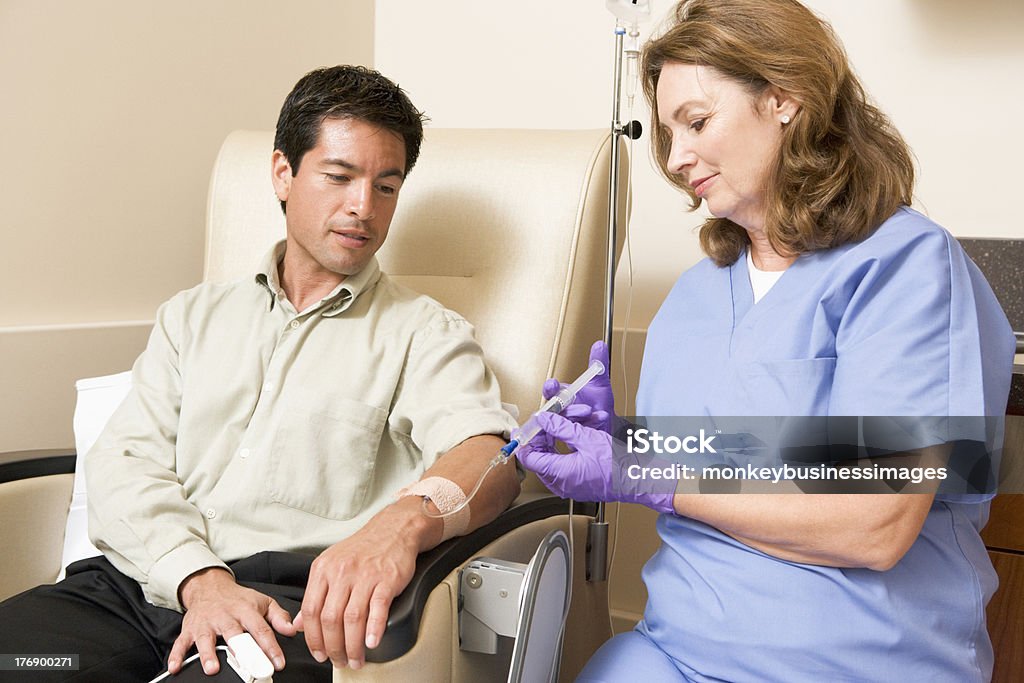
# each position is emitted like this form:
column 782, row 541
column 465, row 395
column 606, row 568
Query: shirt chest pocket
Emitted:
column 324, row 457
column 787, row 387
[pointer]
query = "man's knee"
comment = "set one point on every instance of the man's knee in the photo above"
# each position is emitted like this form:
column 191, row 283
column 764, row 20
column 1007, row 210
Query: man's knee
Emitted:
column 67, row 619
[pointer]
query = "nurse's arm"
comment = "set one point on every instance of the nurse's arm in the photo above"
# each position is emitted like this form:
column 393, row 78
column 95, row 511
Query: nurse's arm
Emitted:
column 836, row 530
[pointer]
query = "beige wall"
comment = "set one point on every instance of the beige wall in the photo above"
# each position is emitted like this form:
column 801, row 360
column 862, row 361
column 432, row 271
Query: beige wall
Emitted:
column 111, row 119
column 946, row 71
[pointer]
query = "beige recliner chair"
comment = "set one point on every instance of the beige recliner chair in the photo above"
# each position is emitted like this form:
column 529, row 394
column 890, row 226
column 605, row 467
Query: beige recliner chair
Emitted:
column 507, row 227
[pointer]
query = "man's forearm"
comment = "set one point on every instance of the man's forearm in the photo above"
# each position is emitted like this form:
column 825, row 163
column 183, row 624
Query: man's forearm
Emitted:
column 140, row 519
column 352, row 583
column 462, row 465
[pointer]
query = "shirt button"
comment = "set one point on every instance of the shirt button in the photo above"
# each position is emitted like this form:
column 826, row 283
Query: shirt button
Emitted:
column 244, row 453
column 267, row 386
column 211, row 513
column 294, row 324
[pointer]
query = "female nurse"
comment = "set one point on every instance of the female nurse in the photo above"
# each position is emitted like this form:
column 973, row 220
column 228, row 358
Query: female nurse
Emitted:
column 823, row 294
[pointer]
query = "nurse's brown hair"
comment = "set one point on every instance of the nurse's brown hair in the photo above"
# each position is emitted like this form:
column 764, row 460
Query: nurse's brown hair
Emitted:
column 842, row 167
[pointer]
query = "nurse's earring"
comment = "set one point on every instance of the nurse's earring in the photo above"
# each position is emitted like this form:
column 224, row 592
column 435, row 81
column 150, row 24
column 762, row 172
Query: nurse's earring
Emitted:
column 785, row 119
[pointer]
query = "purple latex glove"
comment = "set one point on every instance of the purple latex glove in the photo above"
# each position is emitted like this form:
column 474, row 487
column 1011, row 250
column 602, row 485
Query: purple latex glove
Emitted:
column 596, row 394
column 590, row 472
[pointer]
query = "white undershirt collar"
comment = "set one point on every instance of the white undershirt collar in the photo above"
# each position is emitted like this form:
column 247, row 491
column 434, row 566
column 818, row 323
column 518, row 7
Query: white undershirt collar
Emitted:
column 761, row 280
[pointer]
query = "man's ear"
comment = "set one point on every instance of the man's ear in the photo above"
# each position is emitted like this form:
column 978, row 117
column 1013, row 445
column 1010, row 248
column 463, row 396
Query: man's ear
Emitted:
column 281, row 175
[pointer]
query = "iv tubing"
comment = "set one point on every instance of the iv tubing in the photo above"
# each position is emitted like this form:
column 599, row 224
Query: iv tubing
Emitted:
column 527, row 431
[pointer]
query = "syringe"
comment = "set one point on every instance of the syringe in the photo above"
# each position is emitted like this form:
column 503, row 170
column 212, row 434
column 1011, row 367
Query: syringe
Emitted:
column 522, row 435
column 555, row 404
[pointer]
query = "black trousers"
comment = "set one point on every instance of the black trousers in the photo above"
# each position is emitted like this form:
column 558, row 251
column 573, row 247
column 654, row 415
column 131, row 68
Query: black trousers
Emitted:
column 100, row 614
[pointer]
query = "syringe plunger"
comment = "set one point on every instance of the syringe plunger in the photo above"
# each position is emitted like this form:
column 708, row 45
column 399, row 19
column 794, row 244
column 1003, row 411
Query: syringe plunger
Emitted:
column 556, row 404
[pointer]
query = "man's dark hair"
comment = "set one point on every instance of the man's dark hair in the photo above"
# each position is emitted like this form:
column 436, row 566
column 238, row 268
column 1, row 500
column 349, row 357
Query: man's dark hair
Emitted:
column 345, row 92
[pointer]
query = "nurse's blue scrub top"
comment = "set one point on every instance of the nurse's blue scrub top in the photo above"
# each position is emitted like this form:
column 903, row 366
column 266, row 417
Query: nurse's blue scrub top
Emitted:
column 902, row 323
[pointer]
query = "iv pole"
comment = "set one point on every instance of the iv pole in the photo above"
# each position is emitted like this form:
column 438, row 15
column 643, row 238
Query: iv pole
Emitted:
column 626, row 11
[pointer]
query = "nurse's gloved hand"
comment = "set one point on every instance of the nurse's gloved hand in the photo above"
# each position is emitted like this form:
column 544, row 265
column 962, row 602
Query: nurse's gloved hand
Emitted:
column 588, row 473
column 597, row 394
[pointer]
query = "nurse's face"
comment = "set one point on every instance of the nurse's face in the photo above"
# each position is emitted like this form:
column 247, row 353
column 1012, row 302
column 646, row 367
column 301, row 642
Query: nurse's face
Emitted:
column 724, row 140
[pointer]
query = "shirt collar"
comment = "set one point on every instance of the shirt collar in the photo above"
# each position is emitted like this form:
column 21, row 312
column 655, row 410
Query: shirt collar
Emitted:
column 339, row 299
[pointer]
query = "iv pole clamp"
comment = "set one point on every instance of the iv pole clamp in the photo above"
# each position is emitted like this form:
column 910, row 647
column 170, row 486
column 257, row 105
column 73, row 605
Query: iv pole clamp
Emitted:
column 628, row 14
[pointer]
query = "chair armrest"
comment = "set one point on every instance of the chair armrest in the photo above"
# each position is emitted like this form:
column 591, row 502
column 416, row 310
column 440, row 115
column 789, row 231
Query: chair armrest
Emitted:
column 35, row 493
column 17, row 465
column 434, row 565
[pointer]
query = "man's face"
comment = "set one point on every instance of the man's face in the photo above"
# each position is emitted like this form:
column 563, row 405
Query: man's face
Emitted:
column 341, row 202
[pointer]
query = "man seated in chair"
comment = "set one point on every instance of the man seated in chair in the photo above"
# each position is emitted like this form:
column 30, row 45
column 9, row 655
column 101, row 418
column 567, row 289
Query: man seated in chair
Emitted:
column 283, row 412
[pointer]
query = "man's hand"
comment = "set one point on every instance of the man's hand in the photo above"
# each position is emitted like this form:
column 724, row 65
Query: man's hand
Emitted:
column 217, row 606
column 352, row 583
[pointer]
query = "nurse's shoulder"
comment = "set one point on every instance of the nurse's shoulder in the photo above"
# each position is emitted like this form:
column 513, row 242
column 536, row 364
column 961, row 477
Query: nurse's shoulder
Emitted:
column 905, row 232
column 699, row 276
column 907, row 248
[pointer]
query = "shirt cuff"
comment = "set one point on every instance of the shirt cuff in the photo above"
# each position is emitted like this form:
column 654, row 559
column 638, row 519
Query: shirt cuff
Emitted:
column 167, row 573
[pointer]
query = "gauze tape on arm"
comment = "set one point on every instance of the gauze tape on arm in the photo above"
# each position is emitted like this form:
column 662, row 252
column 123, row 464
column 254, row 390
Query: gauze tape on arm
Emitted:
column 446, row 495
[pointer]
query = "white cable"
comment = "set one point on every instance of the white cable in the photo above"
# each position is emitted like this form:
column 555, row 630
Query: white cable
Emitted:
column 190, row 659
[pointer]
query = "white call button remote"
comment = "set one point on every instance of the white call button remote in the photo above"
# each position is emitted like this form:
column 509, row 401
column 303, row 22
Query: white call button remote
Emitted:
column 248, row 660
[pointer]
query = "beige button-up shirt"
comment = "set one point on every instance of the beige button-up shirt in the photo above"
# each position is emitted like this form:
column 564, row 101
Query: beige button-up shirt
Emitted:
column 252, row 426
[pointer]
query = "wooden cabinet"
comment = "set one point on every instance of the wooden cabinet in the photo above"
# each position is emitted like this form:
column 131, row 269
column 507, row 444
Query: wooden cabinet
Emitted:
column 1004, row 538
column 1006, row 617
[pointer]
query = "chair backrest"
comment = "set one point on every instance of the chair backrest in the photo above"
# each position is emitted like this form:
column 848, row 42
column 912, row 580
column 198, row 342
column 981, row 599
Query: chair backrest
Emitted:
column 506, row 227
